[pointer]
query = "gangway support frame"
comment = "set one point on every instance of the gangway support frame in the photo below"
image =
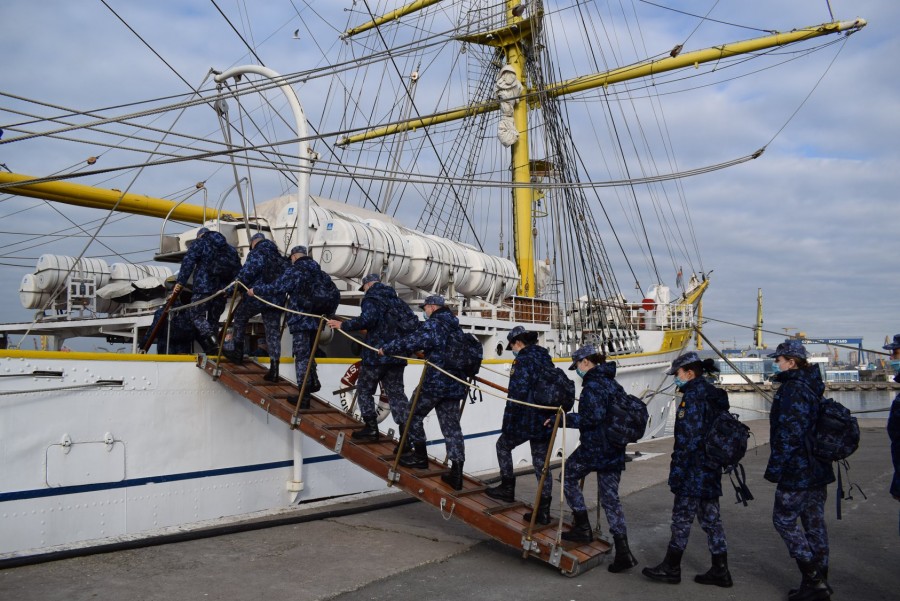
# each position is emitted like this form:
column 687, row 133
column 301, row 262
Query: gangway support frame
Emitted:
column 329, row 425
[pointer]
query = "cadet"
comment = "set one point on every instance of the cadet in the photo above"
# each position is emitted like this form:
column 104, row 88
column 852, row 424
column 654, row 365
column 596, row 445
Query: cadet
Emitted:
column 375, row 318
column 801, row 478
column 594, row 454
column 179, row 338
column 697, row 489
column 299, row 280
column 213, row 263
column 439, row 392
column 264, row 265
column 523, row 424
column 893, row 425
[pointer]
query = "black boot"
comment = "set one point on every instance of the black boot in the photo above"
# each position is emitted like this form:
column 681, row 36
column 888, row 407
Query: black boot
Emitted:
column 543, row 512
column 272, row 376
column 455, row 477
column 304, row 404
column 812, row 585
column 669, row 570
column 417, row 457
column 370, row 432
column 406, row 446
column 718, row 574
column 235, row 355
column 624, row 558
column 505, row 491
column 210, row 345
column 580, row 532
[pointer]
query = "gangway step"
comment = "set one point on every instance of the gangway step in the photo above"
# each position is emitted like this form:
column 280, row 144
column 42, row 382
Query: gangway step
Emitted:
column 332, row 428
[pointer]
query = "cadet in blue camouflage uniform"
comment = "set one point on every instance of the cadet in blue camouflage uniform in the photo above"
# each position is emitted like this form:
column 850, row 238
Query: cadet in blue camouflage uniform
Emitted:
column 298, row 281
column 523, row 424
column 213, row 263
column 801, row 478
column 264, row 265
column 595, row 454
column 179, row 338
column 697, row 488
column 439, row 392
column 893, row 425
column 374, row 317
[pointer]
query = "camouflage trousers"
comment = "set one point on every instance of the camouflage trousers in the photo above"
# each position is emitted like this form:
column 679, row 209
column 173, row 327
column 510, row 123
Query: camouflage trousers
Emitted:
column 391, row 379
column 684, row 509
column 811, row 542
column 447, row 410
column 607, row 492
column 302, row 347
column 205, row 316
column 271, row 321
column 506, row 443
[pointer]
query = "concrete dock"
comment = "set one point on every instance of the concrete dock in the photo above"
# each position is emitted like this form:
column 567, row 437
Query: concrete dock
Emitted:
column 412, row 552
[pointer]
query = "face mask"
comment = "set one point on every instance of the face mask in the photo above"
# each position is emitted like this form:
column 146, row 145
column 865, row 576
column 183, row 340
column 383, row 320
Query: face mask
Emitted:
column 895, row 365
column 516, row 354
column 579, row 372
column 680, row 383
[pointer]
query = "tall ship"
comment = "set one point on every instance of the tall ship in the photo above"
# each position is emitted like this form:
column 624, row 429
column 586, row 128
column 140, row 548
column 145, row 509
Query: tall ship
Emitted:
column 512, row 156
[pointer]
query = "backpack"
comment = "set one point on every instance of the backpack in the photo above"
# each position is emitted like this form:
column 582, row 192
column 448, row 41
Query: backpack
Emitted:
column 724, row 447
column 626, row 418
column 554, row 389
column 324, row 296
column 403, row 318
column 836, row 434
column 726, row 442
column 468, row 360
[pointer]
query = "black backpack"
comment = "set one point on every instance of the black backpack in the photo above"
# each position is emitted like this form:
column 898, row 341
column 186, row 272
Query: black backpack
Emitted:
column 468, row 360
column 836, row 435
column 554, row 389
column 626, row 418
column 726, row 442
column 402, row 316
column 323, row 296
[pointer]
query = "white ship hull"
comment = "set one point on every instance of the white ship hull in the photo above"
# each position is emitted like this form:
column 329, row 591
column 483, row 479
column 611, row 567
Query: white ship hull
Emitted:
column 169, row 447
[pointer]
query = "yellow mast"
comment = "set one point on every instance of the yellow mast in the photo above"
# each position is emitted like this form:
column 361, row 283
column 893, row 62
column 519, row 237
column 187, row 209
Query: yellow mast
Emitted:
column 100, row 198
column 757, row 331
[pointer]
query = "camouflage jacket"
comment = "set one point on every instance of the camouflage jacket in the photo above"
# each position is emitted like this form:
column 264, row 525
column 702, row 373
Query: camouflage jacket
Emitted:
column 431, row 338
column 177, row 340
column 597, row 389
column 374, row 319
column 791, row 422
column 520, row 421
column 700, row 404
column 298, row 281
column 264, row 265
column 893, row 428
column 212, row 261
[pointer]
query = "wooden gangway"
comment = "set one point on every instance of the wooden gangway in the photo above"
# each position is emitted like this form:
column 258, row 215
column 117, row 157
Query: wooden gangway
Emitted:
column 331, row 427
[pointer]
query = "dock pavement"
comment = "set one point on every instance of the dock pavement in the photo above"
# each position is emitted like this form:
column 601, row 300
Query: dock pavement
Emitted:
column 412, row 552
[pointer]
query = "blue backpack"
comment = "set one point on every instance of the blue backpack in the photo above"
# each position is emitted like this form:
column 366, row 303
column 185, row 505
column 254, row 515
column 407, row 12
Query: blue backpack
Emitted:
column 468, row 361
column 724, row 447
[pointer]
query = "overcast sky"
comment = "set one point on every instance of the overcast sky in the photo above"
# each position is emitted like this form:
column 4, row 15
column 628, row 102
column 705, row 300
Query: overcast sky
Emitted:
column 812, row 222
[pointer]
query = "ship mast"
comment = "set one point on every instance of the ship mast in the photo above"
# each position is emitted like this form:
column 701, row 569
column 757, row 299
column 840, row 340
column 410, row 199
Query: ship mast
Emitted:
column 512, row 40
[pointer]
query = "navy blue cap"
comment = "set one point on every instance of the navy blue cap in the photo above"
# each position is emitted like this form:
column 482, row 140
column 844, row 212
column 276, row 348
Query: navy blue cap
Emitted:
column 513, row 334
column 584, row 352
column 298, row 249
column 893, row 345
column 434, row 299
column 682, row 360
column 790, row 348
column 372, row 277
column 257, row 236
column 201, row 231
